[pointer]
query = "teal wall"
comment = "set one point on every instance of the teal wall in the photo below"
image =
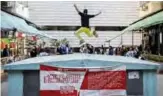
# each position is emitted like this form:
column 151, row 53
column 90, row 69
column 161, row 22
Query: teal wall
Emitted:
column 15, row 79
column 15, row 83
column 150, row 83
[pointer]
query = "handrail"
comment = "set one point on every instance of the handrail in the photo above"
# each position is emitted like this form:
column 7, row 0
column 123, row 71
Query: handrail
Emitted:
column 5, row 60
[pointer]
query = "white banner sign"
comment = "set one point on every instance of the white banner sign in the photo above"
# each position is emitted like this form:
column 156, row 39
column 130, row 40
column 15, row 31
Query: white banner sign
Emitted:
column 56, row 81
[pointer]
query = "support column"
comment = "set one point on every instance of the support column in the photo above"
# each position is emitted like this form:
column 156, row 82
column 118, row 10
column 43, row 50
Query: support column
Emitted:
column 142, row 39
column 17, row 45
column 132, row 38
column 161, row 40
column 159, row 29
column 24, row 47
column 109, row 42
column 121, row 40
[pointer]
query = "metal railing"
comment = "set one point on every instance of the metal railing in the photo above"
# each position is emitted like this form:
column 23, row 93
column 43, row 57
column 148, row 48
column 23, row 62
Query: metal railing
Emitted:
column 7, row 60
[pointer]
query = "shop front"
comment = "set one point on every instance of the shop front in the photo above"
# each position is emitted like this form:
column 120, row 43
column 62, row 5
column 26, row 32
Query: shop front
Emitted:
column 151, row 27
column 11, row 45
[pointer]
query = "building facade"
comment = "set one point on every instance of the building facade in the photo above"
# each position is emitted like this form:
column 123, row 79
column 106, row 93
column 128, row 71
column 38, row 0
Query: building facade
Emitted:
column 152, row 35
column 148, row 7
column 60, row 20
column 18, row 7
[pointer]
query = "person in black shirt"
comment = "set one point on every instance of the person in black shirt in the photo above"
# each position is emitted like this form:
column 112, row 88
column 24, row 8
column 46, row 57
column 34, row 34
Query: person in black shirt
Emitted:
column 33, row 53
column 90, row 49
column 6, row 51
column 85, row 24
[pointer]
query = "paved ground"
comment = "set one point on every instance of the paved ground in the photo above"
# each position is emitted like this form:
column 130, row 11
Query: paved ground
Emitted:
column 160, row 84
column 4, row 88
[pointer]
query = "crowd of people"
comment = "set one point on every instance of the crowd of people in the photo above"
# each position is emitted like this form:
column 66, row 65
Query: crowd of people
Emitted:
column 122, row 51
column 86, row 48
column 64, row 49
column 38, row 51
column 9, row 55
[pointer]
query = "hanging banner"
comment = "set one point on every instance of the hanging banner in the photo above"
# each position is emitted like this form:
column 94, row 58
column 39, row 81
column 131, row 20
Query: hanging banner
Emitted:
column 12, row 45
column 34, row 38
column 2, row 45
column 82, row 82
column 19, row 35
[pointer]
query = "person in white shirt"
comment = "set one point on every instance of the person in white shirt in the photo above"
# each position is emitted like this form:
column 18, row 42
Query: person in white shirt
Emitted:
column 43, row 53
column 130, row 53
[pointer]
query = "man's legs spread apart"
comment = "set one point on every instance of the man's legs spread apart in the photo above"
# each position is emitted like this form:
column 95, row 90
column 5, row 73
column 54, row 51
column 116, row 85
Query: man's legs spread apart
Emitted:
column 81, row 30
column 87, row 31
column 91, row 33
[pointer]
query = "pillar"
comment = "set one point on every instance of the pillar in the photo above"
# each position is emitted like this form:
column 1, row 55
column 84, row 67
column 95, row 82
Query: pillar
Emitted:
column 159, row 31
column 132, row 38
column 121, row 40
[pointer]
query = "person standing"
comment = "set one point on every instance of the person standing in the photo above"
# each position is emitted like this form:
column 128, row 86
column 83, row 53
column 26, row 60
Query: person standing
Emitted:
column 85, row 24
column 6, row 51
column 102, row 50
column 68, row 49
column 111, row 51
column 130, row 53
column 90, row 49
column 33, row 53
column 43, row 53
column 124, row 51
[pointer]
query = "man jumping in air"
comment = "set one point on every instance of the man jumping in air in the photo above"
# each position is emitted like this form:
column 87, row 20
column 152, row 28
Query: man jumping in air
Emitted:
column 85, row 25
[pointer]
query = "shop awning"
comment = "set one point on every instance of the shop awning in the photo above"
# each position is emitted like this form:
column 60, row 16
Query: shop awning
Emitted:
column 19, row 16
column 9, row 22
column 145, row 22
column 154, row 19
column 6, row 22
column 37, row 32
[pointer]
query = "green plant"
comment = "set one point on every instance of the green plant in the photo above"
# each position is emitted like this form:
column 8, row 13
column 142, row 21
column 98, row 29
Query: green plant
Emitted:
column 57, row 43
column 64, row 41
column 53, row 42
column 152, row 57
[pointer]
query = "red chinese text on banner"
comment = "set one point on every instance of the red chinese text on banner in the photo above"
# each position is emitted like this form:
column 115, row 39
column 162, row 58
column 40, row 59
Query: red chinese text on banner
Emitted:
column 82, row 82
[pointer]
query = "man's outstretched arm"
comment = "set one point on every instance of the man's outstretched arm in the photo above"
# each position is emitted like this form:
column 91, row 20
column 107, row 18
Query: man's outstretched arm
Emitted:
column 76, row 8
column 95, row 15
column 98, row 13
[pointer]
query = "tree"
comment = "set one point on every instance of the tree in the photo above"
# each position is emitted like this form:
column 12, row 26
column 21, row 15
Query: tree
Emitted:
column 57, row 43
